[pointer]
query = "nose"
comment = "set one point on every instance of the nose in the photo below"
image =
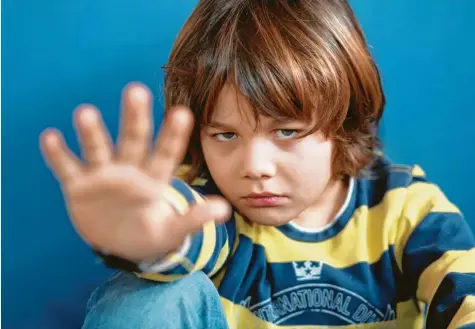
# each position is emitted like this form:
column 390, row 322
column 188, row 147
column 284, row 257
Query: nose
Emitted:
column 258, row 162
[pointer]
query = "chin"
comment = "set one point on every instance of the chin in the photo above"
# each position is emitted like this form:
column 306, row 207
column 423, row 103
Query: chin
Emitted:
column 269, row 216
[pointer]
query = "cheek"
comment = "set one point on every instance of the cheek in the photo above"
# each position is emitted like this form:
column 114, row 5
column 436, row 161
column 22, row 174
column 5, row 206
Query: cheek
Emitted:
column 312, row 167
column 315, row 156
column 207, row 149
column 218, row 166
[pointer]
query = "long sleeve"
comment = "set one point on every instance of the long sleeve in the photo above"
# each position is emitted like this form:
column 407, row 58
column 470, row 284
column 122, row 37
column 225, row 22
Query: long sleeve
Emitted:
column 438, row 257
column 205, row 251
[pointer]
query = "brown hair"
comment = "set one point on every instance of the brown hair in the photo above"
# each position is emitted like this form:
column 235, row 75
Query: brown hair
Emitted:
column 291, row 59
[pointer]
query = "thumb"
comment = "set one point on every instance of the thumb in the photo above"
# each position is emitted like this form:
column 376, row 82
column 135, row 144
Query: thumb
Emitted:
column 217, row 208
column 214, row 209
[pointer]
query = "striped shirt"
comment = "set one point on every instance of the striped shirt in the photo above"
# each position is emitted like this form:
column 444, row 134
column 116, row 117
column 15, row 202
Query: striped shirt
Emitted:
column 398, row 255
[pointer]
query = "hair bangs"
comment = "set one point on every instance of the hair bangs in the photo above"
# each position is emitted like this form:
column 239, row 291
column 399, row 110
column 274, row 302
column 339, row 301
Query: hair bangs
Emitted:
column 291, row 60
column 276, row 67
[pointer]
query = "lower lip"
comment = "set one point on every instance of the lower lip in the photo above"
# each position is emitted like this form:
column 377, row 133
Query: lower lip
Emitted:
column 268, row 201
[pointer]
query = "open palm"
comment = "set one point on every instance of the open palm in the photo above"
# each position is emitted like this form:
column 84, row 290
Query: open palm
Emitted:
column 115, row 195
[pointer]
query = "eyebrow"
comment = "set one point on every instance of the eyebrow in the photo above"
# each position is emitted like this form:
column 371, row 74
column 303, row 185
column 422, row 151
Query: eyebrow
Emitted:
column 227, row 126
column 219, row 125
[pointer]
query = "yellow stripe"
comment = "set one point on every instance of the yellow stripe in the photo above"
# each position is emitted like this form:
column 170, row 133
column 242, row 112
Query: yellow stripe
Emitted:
column 160, row 277
column 465, row 314
column 409, row 315
column 182, row 203
column 179, row 199
column 336, row 252
column 379, row 227
column 453, row 261
column 207, row 249
column 219, row 277
column 197, row 196
column 209, row 240
column 422, row 199
column 199, row 182
column 183, row 170
column 223, row 255
column 387, row 223
column 418, row 172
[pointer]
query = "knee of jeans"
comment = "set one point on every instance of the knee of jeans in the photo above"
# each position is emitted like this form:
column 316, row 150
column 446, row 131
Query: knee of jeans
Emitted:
column 128, row 301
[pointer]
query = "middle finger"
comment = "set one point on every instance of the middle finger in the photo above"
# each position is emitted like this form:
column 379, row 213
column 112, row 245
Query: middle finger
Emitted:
column 136, row 127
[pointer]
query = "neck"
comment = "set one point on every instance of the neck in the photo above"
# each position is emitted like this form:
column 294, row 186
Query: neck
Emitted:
column 327, row 206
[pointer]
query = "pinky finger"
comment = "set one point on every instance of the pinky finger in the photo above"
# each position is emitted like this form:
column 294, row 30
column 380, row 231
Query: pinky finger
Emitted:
column 59, row 158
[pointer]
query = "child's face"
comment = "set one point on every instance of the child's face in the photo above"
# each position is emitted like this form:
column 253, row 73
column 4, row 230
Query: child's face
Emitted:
column 243, row 160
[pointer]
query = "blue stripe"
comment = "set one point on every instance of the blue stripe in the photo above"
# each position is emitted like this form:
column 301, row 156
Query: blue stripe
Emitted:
column 382, row 179
column 197, row 239
column 237, row 282
column 221, row 235
column 231, row 230
column 224, row 232
column 183, row 189
column 359, row 293
column 332, row 231
column 369, row 190
column 209, row 188
column 436, row 234
column 221, row 238
column 192, row 255
column 468, row 326
column 448, row 298
column 374, row 190
column 419, row 179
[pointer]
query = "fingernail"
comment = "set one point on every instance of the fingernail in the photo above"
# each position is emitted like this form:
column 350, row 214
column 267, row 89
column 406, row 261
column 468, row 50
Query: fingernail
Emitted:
column 88, row 116
column 180, row 116
column 51, row 139
column 218, row 208
column 140, row 94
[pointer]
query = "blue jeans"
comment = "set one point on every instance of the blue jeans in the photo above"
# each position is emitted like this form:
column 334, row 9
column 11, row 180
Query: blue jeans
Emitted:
column 125, row 301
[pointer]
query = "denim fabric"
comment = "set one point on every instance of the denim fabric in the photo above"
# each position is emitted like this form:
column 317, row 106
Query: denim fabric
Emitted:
column 126, row 301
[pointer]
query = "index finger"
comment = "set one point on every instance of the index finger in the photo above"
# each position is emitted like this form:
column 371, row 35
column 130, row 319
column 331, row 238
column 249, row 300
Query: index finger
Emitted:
column 171, row 144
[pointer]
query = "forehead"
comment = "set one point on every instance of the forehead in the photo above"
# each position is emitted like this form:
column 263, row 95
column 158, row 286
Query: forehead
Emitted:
column 233, row 108
column 231, row 104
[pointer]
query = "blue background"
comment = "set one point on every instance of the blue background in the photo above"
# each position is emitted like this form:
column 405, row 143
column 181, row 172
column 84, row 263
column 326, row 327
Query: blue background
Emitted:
column 57, row 54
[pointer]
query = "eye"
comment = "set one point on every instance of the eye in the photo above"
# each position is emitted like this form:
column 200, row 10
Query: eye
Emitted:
column 286, row 133
column 224, row 137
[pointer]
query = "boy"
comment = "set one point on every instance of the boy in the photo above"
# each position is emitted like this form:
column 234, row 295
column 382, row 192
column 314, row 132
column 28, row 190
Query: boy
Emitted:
column 322, row 232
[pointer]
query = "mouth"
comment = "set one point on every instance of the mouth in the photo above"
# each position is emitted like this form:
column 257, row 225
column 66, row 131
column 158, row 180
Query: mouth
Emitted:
column 265, row 199
column 262, row 195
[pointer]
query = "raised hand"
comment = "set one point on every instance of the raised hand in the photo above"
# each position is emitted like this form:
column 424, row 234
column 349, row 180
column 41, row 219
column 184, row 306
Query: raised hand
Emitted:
column 115, row 195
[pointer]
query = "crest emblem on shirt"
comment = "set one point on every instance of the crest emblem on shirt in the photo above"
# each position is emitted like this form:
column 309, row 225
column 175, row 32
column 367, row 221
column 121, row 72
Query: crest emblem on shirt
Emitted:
column 308, row 270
